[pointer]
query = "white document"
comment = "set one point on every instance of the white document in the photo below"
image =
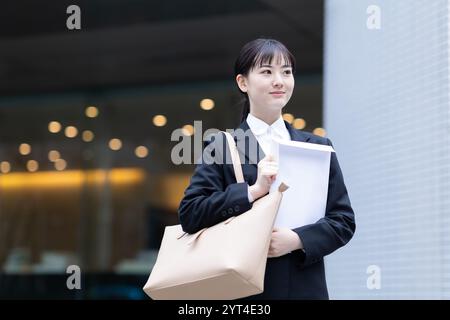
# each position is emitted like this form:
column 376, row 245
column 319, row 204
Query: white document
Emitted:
column 305, row 168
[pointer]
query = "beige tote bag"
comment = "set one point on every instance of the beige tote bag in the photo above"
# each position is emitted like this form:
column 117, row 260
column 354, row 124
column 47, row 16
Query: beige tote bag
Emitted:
column 225, row 261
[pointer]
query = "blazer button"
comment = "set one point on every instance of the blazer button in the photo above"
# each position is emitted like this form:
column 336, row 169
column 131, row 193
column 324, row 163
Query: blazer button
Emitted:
column 230, row 210
column 236, row 208
column 224, row 213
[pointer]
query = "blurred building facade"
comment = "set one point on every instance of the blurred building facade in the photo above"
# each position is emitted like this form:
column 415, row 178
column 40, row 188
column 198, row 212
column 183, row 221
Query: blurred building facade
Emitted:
column 389, row 88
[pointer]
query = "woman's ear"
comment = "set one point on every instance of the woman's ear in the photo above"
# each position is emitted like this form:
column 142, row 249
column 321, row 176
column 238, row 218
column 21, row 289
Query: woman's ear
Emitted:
column 241, row 82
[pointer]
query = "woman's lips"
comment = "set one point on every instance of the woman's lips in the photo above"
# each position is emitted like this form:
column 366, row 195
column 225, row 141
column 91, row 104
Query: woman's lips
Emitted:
column 277, row 93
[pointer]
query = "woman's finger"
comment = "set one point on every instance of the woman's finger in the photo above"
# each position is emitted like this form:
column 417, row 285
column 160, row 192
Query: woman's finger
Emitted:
column 269, row 172
column 272, row 166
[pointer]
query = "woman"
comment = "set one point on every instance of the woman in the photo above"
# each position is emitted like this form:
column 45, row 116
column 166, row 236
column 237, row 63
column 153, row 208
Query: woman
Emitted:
column 295, row 267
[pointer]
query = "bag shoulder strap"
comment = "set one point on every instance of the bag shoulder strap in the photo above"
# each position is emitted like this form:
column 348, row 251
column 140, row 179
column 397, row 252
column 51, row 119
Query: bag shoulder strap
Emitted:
column 234, row 157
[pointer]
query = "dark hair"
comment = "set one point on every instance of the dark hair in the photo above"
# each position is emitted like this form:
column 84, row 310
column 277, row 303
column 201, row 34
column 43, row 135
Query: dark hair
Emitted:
column 259, row 52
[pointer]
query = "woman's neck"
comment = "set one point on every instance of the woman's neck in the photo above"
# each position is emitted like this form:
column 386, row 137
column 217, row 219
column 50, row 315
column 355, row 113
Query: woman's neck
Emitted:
column 266, row 117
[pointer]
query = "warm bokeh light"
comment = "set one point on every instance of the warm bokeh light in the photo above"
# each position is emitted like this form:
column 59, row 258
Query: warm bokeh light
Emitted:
column 54, row 155
column 54, row 126
column 71, row 132
column 32, row 165
column 320, row 132
column 24, row 149
column 87, row 136
column 91, row 112
column 70, row 178
column 115, row 144
column 5, row 167
column 299, row 123
column 207, row 104
column 60, row 164
column 288, row 117
column 171, row 190
column 141, row 152
column 188, row 130
column 159, row 120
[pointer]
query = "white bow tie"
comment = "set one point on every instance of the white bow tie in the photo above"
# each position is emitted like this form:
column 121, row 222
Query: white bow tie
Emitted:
column 268, row 130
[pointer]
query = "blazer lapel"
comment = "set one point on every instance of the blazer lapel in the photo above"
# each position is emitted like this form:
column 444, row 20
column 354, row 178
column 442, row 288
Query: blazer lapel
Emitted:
column 248, row 147
column 296, row 135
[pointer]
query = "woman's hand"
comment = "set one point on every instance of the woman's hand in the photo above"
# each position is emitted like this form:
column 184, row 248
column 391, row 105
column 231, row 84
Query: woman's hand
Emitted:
column 283, row 241
column 267, row 173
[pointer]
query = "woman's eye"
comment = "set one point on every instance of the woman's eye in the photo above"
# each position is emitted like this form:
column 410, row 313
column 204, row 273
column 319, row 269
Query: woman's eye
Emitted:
column 288, row 72
column 266, row 72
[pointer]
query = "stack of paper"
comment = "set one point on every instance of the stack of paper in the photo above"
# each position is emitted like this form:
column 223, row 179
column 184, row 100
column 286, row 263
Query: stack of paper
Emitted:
column 305, row 168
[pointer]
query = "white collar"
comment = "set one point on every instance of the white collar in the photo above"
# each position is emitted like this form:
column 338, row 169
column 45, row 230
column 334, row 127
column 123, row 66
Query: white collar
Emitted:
column 260, row 127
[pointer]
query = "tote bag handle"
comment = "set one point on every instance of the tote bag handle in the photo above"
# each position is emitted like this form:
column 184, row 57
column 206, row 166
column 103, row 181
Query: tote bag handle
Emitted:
column 234, row 157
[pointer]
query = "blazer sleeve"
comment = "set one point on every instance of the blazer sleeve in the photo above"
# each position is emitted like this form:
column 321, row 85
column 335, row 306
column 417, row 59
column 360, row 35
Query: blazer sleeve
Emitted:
column 208, row 200
column 336, row 228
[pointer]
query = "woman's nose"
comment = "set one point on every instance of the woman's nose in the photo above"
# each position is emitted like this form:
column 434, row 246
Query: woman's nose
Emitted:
column 277, row 82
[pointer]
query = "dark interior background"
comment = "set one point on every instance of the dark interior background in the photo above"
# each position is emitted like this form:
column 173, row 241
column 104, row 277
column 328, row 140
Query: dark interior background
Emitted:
column 132, row 60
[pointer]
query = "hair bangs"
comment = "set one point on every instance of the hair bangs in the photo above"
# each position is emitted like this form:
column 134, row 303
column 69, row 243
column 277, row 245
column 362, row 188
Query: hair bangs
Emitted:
column 272, row 52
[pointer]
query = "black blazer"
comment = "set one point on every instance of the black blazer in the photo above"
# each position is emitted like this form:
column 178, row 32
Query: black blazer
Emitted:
column 213, row 196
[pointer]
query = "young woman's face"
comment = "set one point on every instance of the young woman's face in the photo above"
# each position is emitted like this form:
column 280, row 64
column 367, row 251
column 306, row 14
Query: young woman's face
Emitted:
column 269, row 86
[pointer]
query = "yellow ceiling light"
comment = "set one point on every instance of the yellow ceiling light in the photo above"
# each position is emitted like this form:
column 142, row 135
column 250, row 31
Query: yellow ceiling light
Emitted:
column 159, row 120
column 207, row 104
column 320, row 132
column 288, row 117
column 71, row 179
column 71, row 132
column 5, row 167
column 87, row 136
column 115, row 144
column 24, row 149
column 32, row 165
column 141, row 152
column 60, row 164
column 188, row 130
column 299, row 123
column 54, row 126
column 54, row 155
column 91, row 112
